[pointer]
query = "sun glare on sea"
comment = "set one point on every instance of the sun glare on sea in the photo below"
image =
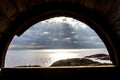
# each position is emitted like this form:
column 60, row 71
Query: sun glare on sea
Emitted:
column 63, row 55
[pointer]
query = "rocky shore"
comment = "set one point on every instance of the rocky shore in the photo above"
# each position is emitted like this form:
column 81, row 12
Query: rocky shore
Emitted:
column 99, row 56
column 29, row 66
column 77, row 62
column 86, row 61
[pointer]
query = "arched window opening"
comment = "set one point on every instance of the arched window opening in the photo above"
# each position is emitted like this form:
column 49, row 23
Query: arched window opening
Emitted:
column 58, row 41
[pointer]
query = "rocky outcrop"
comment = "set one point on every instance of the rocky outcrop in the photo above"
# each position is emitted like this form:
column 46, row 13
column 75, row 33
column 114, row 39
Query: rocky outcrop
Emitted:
column 29, row 66
column 75, row 62
column 99, row 56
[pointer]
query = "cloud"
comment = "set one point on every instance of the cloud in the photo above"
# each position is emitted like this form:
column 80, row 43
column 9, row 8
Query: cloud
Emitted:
column 58, row 33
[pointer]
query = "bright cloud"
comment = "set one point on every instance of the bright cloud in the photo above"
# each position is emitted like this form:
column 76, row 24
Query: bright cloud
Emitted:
column 68, row 20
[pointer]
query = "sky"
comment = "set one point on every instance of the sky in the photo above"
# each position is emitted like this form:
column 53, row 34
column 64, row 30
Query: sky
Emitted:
column 58, row 33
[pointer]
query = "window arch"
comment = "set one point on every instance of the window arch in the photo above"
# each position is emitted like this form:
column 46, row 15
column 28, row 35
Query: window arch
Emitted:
column 39, row 13
column 58, row 41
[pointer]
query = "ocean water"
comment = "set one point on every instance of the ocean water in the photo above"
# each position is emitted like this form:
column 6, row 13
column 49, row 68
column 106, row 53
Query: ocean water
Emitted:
column 45, row 57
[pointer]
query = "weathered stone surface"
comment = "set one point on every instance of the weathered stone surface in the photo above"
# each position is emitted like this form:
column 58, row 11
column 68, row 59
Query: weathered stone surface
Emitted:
column 24, row 4
column 103, row 6
column 113, row 13
column 89, row 3
column 4, row 23
column 8, row 8
column 116, row 26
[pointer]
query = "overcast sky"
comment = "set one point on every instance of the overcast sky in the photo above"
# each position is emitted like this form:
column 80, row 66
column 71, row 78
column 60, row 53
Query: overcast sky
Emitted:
column 58, row 33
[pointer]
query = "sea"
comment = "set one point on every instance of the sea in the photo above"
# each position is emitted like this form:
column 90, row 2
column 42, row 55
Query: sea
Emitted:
column 46, row 57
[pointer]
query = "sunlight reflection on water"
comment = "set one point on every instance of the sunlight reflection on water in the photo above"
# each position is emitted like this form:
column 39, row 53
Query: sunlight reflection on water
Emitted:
column 46, row 57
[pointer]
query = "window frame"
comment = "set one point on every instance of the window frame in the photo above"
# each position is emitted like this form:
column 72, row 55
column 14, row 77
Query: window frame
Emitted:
column 38, row 23
column 39, row 13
